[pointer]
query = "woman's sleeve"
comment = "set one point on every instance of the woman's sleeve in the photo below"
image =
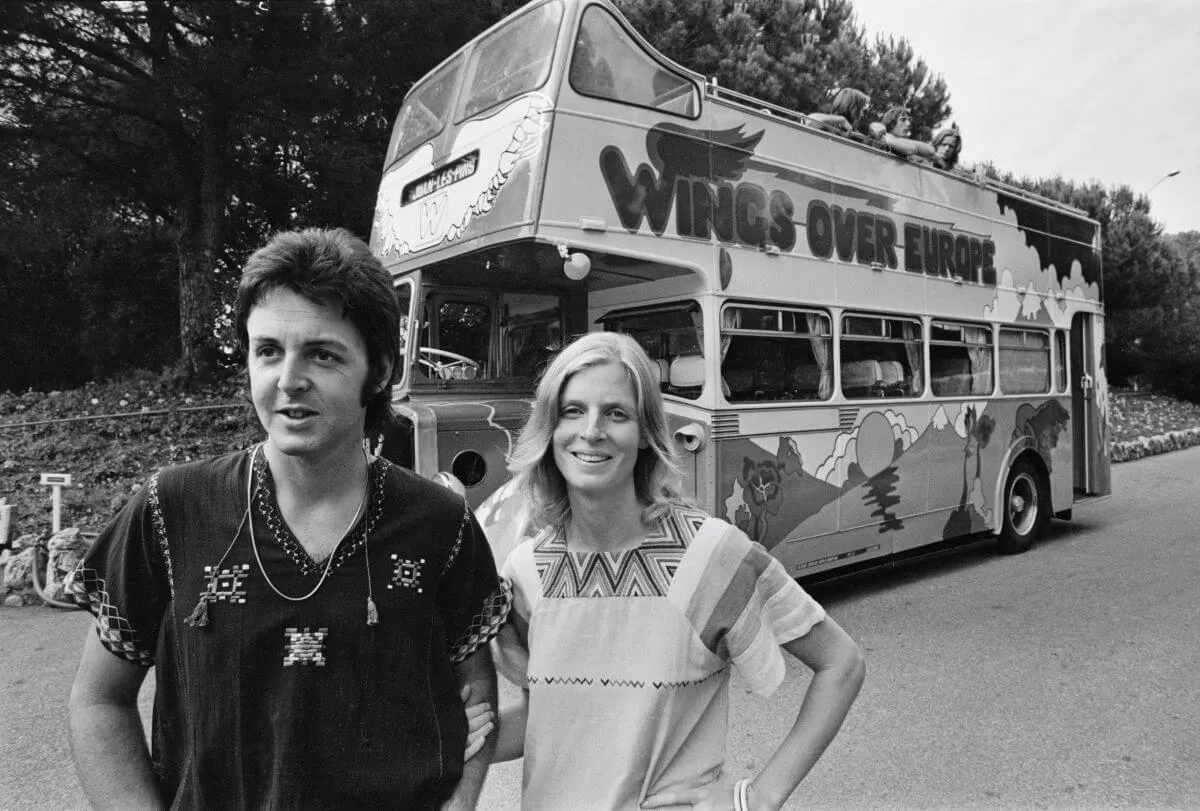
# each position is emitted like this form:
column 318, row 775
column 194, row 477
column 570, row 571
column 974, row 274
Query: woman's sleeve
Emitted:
column 510, row 649
column 761, row 608
column 124, row 579
column 473, row 599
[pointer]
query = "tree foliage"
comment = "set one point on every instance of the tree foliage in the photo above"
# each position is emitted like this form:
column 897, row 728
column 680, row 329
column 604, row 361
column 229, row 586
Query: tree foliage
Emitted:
column 794, row 53
column 1151, row 299
column 218, row 122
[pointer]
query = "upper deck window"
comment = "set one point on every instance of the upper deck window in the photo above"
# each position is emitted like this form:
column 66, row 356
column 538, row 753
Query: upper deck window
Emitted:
column 608, row 63
column 512, row 60
column 424, row 111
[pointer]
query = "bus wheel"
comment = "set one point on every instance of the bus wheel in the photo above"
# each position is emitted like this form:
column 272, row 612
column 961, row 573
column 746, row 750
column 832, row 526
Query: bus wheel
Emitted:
column 1026, row 507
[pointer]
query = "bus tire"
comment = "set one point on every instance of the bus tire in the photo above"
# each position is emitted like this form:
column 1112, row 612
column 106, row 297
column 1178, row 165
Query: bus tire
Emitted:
column 1026, row 507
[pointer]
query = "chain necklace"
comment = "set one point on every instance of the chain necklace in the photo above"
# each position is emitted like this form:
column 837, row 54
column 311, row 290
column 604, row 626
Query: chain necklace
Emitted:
column 333, row 554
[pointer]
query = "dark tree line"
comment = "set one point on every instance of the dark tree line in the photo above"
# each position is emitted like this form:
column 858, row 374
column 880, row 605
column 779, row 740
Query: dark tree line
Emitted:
column 146, row 146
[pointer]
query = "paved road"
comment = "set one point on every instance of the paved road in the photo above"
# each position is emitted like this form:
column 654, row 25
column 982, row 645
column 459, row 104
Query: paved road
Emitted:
column 1065, row 677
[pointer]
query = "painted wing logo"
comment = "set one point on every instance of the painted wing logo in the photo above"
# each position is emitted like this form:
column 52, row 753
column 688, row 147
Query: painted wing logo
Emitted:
column 504, row 141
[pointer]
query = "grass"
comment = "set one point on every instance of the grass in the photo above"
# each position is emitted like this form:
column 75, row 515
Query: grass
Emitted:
column 109, row 457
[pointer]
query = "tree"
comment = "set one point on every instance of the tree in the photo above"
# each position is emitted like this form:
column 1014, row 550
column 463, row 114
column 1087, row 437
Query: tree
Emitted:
column 267, row 112
column 794, row 53
column 1150, row 297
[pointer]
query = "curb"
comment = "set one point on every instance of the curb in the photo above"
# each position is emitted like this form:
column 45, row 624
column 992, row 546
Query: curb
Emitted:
column 1152, row 446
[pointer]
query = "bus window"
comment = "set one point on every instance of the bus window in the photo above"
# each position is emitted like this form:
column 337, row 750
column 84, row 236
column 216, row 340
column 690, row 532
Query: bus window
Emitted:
column 673, row 338
column 960, row 359
column 881, row 357
column 513, row 60
column 1024, row 361
column 424, row 111
column 461, row 340
column 609, row 64
column 770, row 353
column 1060, row 362
column 404, row 304
column 532, row 329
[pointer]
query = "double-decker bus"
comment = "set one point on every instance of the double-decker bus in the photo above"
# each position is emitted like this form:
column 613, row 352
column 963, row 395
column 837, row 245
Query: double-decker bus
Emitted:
column 860, row 355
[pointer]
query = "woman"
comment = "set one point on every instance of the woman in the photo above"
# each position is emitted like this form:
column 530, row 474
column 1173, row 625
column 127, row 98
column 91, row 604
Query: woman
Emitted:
column 630, row 608
column 845, row 112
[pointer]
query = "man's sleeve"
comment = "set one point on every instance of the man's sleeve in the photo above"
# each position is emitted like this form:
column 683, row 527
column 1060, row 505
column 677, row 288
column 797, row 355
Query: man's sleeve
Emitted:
column 474, row 601
column 124, row 579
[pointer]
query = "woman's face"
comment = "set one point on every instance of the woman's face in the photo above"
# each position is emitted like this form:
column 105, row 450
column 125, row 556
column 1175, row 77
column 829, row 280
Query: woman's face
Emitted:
column 947, row 148
column 598, row 437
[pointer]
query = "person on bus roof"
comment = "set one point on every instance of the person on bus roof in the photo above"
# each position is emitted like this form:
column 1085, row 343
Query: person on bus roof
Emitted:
column 947, row 144
column 845, row 114
column 894, row 131
column 631, row 608
column 343, row 601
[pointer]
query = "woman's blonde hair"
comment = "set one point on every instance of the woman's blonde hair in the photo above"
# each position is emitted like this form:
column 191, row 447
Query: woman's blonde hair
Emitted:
column 656, row 472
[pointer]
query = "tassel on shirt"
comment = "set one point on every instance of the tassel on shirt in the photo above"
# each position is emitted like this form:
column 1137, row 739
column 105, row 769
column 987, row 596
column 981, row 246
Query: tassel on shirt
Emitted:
column 199, row 616
column 372, row 613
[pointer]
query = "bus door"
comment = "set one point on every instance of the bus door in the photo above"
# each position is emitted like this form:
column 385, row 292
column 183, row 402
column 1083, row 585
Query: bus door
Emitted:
column 1088, row 433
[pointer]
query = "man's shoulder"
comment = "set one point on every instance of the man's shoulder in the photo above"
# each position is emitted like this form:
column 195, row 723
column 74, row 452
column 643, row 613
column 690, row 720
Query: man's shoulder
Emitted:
column 414, row 488
column 212, row 470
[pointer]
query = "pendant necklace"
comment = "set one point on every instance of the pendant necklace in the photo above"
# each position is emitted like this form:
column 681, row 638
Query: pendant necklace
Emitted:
column 199, row 615
column 333, row 554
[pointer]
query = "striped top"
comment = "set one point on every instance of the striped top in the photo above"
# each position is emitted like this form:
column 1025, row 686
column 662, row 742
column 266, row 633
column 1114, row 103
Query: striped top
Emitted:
column 627, row 656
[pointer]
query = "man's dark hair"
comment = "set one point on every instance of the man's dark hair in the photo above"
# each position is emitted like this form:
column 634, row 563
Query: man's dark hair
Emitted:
column 332, row 267
column 892, row 116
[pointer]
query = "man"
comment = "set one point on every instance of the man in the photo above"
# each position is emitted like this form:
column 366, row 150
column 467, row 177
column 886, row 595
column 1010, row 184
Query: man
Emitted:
column 311, row 611
column 894, row 132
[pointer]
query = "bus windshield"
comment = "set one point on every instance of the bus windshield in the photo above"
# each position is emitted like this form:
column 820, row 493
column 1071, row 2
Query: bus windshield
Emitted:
column 512, row 60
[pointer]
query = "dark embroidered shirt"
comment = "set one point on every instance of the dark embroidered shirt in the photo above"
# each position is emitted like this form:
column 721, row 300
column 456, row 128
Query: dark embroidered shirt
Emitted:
column 279, row 704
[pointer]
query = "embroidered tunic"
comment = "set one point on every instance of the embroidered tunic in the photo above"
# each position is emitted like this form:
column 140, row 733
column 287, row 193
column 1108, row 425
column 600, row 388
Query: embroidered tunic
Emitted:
column 627, row 656
column 296, row 704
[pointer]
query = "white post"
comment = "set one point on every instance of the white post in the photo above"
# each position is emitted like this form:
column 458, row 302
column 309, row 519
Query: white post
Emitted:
column 56, row 482
column 5, row 521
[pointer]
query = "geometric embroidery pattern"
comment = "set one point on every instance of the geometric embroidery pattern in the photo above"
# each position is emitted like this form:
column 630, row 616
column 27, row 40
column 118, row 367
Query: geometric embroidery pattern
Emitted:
column 115, row 632
column 454, row 550
column 305, row 647
column 645, row 571
column 226, row 584
column 589, row 681
column 264, row 500
column 484, row 625
column 160, row 529
column 406, row 573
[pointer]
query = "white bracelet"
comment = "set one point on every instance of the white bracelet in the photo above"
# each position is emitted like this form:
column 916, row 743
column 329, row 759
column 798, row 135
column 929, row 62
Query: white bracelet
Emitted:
column 741, row 795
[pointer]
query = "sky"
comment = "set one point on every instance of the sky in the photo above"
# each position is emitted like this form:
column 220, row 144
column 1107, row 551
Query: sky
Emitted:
column 1104, row 90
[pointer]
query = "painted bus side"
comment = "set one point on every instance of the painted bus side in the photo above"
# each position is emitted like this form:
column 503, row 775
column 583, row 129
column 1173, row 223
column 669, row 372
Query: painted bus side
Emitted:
column 731, row 209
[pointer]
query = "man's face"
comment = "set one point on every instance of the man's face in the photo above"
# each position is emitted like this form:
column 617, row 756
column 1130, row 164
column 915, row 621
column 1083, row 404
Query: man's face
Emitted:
column 308, row 369
column 903, row 126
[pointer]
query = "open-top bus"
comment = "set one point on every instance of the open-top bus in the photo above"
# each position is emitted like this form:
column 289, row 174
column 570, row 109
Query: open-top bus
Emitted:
column 860, row 355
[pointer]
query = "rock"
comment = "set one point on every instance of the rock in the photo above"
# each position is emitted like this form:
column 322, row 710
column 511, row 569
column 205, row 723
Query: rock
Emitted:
column 25, row 541
column 67, row 549
column 56, row 591
column 14, row 601
column 18, row 573
column 9, row 464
